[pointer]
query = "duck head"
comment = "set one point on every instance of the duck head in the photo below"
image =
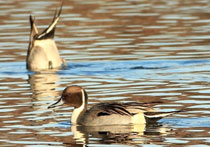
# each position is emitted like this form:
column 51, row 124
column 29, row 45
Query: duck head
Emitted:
column 72, row 96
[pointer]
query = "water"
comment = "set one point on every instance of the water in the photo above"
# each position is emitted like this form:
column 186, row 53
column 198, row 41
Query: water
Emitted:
column 118, row 51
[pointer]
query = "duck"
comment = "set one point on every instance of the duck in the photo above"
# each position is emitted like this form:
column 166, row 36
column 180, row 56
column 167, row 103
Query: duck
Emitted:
column 42, row 51
column 103, row 114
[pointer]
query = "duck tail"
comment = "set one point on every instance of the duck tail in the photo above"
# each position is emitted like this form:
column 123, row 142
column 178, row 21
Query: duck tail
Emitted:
column 34, row 29
column 155, row 116
column 50, row 31
column 33, row 32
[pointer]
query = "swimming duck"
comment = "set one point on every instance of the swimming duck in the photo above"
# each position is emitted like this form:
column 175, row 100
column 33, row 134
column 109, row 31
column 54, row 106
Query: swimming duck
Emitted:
column 106, row 113
column 42, row 51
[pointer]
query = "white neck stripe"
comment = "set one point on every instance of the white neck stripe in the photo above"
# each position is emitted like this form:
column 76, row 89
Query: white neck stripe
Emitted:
column 83, row 97
column 77, row 111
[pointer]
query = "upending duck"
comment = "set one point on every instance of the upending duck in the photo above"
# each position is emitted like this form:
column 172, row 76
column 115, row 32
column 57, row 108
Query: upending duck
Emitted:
column 106, row 113
column 42, row 51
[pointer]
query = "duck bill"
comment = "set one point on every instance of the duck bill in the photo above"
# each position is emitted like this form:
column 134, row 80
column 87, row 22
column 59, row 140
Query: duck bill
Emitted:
column 60, row 102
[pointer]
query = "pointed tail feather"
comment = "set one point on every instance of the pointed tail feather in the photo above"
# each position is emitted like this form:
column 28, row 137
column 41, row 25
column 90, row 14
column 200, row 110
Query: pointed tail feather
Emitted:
column 50, row 31
column 155, row 116
column 34, row 31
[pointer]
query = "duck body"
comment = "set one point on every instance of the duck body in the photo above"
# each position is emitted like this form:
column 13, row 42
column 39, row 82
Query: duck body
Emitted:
column 111, row 114
column 42, row 51
column 44, row 55
column 107, row 113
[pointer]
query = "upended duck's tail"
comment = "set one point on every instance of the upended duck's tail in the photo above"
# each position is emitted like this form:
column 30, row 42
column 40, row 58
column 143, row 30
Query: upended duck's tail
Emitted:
column 50, row 30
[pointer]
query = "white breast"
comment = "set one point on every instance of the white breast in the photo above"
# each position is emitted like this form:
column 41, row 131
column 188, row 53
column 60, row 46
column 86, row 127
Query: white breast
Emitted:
column 43, row 52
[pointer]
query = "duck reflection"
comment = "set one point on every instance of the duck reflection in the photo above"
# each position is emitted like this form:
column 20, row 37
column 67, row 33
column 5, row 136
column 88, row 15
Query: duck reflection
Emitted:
column 43, row 85
column 127, row 134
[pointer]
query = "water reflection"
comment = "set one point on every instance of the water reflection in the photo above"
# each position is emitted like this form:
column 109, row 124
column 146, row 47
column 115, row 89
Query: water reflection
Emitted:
column 127, row 135
column 43, row 86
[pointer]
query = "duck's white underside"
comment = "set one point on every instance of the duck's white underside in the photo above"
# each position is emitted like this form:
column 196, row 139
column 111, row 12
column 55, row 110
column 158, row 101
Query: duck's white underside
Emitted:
column 43, row 52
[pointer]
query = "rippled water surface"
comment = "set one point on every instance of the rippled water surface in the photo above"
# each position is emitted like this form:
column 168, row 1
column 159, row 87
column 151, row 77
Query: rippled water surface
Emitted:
column 122, row 50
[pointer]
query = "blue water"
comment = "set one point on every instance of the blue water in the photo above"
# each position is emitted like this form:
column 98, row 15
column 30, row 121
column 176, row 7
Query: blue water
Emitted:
column 195, row 122
column 124, row 69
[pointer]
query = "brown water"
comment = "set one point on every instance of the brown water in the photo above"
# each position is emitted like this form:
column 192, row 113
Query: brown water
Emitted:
column 123, row 50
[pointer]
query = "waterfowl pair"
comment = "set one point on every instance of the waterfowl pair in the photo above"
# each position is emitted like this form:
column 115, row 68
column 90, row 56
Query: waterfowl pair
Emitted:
column 106, row 113
column 42, row 51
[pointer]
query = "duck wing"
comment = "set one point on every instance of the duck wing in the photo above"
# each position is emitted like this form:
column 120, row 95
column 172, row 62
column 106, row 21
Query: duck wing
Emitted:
column 111, row 108
column 129, row 109
column 135, row 107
